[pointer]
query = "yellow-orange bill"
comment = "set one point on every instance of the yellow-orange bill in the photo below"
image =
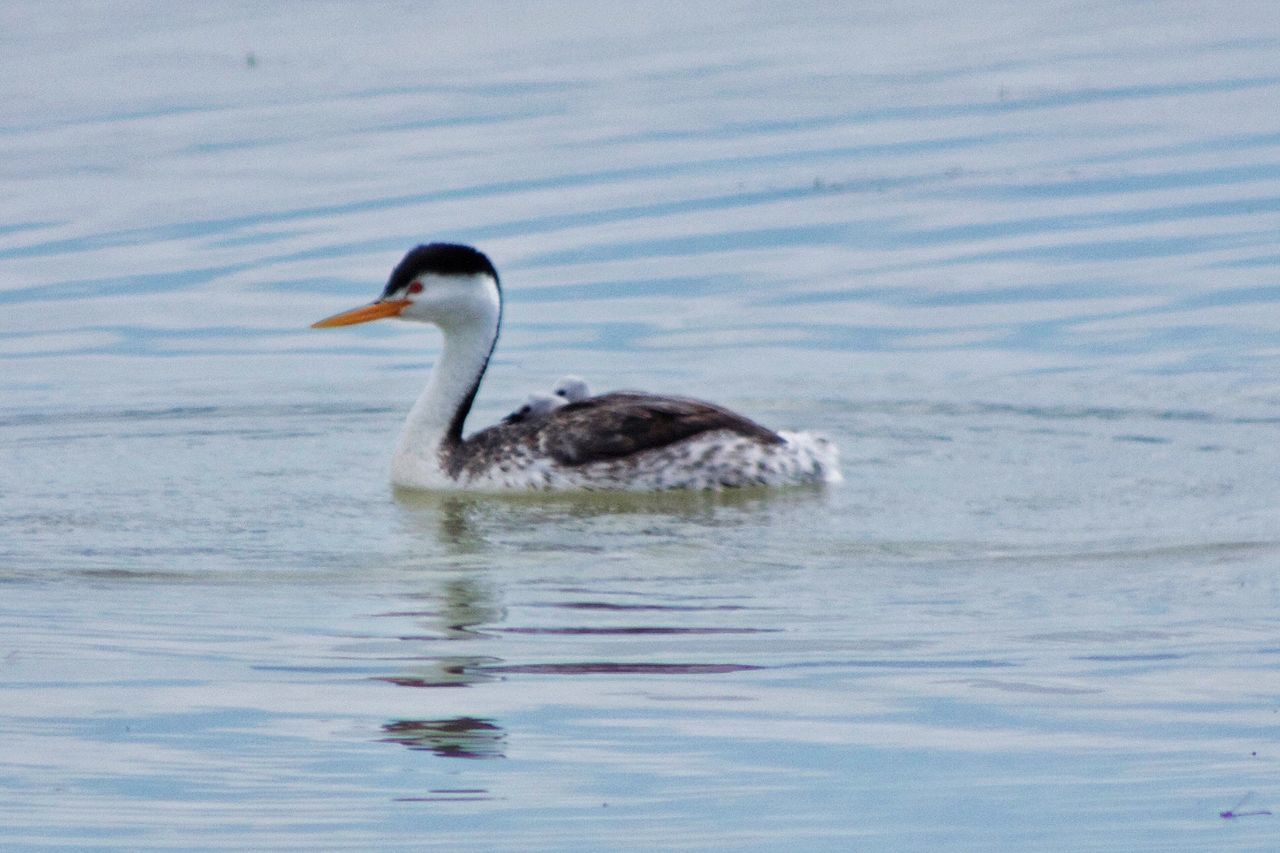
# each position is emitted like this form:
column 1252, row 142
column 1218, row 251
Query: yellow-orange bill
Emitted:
column 363, row 314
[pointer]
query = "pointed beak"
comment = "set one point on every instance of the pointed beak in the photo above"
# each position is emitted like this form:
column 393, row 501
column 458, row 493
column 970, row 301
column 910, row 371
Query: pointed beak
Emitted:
column 363, row 314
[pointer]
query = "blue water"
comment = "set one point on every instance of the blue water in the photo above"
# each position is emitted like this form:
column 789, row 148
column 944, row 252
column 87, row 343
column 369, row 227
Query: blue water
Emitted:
column 1018, row 260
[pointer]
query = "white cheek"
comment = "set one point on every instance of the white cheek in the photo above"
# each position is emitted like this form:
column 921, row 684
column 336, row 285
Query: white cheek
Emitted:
column 455, row 301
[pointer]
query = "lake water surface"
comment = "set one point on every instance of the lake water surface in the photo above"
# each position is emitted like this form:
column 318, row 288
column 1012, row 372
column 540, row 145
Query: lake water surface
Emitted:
column 1019, row 260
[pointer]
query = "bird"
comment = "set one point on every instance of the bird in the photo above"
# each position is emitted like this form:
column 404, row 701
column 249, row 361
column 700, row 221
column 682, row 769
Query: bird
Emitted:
column 570, row 389
column 622, row 440
column 534, row 406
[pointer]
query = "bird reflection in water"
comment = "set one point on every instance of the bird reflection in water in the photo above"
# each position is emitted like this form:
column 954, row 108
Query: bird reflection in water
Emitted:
column 452, row 613
column 467, row 525
column 457, row 611
column 462, row 607
column 459, row 737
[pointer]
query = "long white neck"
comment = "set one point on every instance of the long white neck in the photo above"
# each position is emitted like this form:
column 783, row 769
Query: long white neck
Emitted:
column 433, row 429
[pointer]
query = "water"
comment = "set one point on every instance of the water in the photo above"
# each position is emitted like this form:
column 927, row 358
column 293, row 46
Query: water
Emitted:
column 1020, row 262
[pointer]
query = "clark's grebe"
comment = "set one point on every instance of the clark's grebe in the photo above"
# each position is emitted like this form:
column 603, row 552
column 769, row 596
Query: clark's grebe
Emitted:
column 621, row 440
column 570, row 389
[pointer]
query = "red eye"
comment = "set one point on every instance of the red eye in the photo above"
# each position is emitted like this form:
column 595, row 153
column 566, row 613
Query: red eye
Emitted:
column 416, row 287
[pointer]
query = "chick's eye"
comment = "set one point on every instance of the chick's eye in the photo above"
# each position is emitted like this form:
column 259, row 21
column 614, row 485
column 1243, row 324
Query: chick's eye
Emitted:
column 416, row 287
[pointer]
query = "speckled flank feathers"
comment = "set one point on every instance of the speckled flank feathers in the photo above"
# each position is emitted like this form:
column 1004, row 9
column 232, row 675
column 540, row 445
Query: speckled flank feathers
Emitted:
column 717, row 459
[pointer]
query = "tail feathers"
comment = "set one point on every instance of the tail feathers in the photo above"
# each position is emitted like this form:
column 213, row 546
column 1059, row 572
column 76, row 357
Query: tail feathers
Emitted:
column 817, row 455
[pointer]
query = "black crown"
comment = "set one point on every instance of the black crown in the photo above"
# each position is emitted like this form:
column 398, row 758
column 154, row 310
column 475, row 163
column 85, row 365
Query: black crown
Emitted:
column 439, row 259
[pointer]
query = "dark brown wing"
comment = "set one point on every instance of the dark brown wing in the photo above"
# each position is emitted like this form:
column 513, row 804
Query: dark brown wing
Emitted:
column 612, row 426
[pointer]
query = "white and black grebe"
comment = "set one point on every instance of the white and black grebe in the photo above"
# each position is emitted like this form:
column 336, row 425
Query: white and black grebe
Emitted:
column 621, row 440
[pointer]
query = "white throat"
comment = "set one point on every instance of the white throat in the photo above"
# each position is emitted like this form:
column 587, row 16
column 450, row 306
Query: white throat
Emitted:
column 469, row 319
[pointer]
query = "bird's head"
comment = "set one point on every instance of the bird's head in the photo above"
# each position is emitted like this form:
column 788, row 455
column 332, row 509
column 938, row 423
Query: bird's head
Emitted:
column 445, row 284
